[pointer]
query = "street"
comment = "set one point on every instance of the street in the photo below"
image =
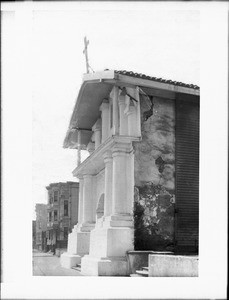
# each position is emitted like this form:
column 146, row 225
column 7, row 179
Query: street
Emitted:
column 47, row 264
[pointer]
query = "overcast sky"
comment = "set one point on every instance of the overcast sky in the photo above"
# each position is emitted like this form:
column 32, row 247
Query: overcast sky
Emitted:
column 160, row 43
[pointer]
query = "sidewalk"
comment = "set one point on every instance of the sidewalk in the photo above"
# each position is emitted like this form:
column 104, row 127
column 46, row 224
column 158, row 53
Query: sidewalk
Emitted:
column 47, row 264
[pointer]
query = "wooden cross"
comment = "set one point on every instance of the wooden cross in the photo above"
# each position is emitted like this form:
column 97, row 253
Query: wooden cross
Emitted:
column 86, row 42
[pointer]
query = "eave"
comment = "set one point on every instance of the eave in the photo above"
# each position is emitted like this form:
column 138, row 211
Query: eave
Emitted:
column 97, row 86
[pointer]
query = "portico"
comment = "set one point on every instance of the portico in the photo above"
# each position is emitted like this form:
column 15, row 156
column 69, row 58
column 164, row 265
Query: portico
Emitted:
column 105, row 230
column 126, row 142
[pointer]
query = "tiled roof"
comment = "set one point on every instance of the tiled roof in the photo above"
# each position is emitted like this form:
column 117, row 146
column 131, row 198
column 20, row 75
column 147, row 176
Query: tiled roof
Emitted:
column 143, row 76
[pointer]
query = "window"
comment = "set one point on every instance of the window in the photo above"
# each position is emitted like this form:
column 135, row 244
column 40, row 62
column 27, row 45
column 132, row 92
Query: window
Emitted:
column 65, row 232
column 65, row 208
column 50, row 198
column 55, row 196
column 50, row 216
column 55, row 215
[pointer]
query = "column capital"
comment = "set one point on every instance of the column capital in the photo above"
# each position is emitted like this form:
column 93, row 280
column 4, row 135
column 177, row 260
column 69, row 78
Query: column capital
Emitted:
column 107, row 157
column 89, row 176
column 122, row 149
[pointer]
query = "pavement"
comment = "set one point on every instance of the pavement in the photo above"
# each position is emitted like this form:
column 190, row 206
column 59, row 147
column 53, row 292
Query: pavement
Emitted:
column 47, row 264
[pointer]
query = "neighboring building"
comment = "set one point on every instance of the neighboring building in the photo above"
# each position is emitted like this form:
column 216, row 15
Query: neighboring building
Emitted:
column 62, row 212
column 34, row 233
column 139, row 186
column 41, row 226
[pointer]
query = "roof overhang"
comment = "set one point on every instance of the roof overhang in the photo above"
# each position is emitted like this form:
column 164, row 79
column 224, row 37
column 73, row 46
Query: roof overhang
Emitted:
column 96, row 87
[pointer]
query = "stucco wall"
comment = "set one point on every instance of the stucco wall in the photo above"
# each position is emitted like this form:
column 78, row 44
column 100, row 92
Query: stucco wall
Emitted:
column 155, row 173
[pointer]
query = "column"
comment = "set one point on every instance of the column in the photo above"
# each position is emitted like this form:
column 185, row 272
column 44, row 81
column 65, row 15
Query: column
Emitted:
column 138, row 113
column 80, row 212
column 131, row 116
column 97, row 131
column 79, row 148
column 104, row 108
column 114, row 96
column 123, row 118
column 123, row 183
column 87, row 199
column 108, row 184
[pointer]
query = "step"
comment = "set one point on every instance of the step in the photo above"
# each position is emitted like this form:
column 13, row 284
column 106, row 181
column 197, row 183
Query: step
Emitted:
column 145, row 268
column 135, row 275
column 143, row 273
column 77, row 268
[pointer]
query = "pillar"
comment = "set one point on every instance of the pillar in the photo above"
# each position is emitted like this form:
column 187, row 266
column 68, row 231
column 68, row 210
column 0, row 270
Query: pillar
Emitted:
column 138, row 113
column 97, row 133
column 115, row 113
column 123, row 180
column 79, row 238
column 87, row 200
column 131, row 116
column 104, row 108
column 108, row 184
column 123, row 118
column 80, row 212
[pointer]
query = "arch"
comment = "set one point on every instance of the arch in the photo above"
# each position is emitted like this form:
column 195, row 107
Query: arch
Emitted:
column 100, row 207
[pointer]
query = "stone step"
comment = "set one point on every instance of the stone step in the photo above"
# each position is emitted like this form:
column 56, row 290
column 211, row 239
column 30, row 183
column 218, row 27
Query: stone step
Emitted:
column 145, row 268
column 77, row 268
column 143, row 273
column 135, row 275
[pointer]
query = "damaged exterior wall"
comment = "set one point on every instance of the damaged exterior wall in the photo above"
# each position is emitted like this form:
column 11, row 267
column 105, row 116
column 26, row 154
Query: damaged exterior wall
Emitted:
column 155, row 176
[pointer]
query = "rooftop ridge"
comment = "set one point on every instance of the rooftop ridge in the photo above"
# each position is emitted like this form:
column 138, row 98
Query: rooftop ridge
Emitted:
column 143, row 76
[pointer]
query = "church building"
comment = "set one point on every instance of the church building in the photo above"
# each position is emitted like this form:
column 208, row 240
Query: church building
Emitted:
column 139, row 186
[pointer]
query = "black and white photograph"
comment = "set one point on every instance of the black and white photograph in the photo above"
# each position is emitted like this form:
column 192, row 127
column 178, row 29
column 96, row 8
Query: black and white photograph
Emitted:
column 113, row 122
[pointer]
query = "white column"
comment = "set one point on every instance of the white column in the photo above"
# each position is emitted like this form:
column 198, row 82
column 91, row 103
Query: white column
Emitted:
column 114, row 96
column 108, row 184
column 123, row 184
column 97, row 131
column 131, row 116
column 79, row 148
column 104, row 108
column 123, row 118
column 80, row 211
column 138, row 113
column 87, row 199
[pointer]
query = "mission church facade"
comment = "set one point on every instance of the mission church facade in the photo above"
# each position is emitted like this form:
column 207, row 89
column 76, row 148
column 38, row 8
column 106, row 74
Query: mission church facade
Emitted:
column 142, row 135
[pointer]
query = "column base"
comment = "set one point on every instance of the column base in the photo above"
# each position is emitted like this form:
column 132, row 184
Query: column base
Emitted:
column 78, row 245
column 68, row 260
column 105, row 266
column 124, row 220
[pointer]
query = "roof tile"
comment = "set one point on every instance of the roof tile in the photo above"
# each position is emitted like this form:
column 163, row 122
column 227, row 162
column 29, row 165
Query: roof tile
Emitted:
column 140, row 75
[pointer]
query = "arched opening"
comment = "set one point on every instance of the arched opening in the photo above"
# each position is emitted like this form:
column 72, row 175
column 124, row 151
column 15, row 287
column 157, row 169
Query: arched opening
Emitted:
column 100, row 207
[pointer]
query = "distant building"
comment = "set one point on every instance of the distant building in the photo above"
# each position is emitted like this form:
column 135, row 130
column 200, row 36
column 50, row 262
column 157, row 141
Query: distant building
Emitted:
column 62, row 213
column 34, row 234
column 41, row 226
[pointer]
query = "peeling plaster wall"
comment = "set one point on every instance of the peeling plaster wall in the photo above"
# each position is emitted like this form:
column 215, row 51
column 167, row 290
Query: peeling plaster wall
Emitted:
column 155, row 173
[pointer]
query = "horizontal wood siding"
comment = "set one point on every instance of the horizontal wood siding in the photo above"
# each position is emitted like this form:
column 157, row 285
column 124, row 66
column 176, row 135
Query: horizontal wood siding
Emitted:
column 187, row 174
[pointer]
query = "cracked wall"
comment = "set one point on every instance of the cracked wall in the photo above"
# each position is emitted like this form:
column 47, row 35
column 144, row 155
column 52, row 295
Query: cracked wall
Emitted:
column 155, row 176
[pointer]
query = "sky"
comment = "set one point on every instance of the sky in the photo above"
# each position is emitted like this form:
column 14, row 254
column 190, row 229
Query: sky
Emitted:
column 159, row 43
column 42, row 68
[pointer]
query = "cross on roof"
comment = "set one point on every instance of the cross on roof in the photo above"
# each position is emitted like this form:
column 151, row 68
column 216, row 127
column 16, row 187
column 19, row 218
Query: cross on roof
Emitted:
column 86, row 42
